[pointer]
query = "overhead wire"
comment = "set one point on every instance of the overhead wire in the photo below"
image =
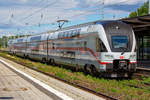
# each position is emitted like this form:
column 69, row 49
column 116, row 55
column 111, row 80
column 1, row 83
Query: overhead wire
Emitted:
column 37, row 4
column 39, row 10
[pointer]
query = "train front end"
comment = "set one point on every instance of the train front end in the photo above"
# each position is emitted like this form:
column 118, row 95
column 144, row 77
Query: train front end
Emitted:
column 120, row 58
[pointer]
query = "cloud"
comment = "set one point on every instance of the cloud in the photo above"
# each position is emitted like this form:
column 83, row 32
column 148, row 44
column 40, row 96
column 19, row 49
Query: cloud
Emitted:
column 113, row 5
column 23, row 1
column 114, row 2
column 28, row 12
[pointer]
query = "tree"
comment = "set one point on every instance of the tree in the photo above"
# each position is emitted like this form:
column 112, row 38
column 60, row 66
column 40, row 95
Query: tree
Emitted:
column 143, row 10
column 3, row 41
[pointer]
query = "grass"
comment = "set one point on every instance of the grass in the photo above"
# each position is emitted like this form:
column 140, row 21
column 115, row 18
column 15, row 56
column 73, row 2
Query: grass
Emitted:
column 120, row 89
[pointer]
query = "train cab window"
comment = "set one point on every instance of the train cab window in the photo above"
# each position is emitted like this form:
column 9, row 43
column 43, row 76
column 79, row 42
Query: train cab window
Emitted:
column 100, row 47
column 120, row 42
column 135, row 50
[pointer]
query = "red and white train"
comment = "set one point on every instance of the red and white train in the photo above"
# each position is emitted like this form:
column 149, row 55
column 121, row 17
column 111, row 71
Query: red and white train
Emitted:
column 106, row 47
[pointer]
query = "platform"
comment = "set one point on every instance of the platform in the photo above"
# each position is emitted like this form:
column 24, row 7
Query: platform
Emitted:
column 62, row 90
column 14, row 87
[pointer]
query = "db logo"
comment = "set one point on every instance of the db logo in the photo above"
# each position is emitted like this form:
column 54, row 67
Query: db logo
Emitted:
column 121, row 57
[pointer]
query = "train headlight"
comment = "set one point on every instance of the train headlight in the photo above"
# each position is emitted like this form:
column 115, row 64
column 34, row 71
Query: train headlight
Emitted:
column 109, row 56
column 133, row 56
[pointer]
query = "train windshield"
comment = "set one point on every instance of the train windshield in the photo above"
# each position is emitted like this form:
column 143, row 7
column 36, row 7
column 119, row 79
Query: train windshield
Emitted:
column 120, row 42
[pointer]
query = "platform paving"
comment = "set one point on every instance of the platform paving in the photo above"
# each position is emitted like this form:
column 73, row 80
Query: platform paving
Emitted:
column 71, row 91
column 14, row 87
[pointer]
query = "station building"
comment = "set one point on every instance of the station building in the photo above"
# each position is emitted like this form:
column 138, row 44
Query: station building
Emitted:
column 141, row 27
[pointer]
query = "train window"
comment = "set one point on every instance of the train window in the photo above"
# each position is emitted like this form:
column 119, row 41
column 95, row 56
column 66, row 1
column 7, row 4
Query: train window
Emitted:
column 97, row 45
column 20, row 40
column 135, row 49
column 68, row 34
column 102, row 47
column 63, row 34
column 36, row 38
column 120, row 42
column 53, row 45
column 72, row 33
column 78, row 31
column 60, row 35
column 85, row 45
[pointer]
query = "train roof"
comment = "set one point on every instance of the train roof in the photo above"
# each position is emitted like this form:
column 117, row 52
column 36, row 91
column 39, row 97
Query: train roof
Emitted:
column 23, row 39
column 39, row 37
column 109, row 22
column 12, row 41
column 89, row 23
column 55, row 34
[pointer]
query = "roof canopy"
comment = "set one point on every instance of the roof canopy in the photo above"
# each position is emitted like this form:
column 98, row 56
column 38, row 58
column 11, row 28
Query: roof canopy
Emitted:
column 140, row 23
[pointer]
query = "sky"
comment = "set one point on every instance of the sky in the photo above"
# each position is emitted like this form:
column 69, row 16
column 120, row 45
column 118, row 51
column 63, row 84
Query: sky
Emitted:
column 36, row 16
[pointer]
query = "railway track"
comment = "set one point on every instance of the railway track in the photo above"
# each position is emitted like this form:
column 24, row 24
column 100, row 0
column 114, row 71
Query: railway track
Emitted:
column 74, row 84
column 139, row 72
column 142, row 72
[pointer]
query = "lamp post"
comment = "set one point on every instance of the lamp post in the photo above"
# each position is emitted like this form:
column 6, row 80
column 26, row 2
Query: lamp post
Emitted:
column 102, row 10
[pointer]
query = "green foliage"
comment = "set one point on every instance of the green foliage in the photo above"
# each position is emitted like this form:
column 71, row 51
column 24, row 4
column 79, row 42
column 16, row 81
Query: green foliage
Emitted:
column 143, row 10
column 5, row 39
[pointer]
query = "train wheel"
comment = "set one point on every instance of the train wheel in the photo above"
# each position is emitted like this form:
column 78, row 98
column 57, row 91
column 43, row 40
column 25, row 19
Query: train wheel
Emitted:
column 49, row 62
column 27, row 57
column 76, row 68
column 24, row 56
column 52, row 62
column 94, row 70
column 43, row 60
column 130, row 75
column 88, row 69
column 14, row 53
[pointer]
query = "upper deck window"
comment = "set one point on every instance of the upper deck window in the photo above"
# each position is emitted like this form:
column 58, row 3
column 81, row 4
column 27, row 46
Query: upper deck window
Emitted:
column 36, row 38
column 20, row 40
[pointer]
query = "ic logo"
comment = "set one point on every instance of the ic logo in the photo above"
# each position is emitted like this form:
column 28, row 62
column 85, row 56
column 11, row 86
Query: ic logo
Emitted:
column 121, row 57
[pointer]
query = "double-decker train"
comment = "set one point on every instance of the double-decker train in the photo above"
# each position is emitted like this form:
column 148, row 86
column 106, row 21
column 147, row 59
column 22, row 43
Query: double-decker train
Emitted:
column 104, row 47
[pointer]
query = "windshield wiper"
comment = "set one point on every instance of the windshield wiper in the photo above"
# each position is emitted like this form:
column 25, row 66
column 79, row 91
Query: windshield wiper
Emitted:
column 124, row 50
